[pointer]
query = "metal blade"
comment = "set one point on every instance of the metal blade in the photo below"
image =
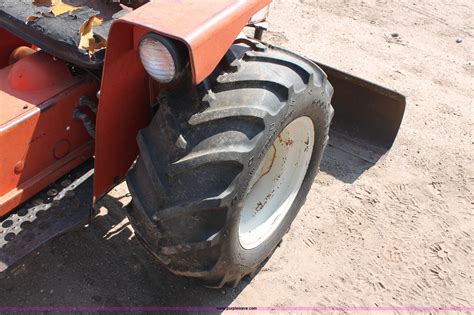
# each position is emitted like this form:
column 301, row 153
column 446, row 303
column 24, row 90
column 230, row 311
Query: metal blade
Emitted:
column 367, row 116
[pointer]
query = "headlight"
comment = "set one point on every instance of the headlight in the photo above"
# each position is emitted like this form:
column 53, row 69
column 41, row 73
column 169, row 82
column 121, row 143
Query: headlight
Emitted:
column 160, row 58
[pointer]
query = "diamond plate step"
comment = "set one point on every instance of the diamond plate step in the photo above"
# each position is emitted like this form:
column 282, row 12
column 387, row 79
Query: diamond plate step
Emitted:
column 64, row 205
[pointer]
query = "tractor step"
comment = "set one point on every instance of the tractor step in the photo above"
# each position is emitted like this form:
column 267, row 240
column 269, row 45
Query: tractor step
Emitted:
column 63, row 206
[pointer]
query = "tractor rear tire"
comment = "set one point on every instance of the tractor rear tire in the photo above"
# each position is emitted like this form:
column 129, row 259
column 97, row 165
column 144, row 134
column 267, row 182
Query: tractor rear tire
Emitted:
column 210, row 147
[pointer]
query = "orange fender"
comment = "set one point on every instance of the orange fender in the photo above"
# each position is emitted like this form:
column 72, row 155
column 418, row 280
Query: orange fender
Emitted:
column 207, row 28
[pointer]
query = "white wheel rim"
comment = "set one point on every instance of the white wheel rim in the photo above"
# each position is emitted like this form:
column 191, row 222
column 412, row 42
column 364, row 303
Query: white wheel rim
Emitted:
column 276, row 183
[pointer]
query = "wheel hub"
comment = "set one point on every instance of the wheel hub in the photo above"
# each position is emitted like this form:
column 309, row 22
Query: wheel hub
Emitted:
column 276, row 183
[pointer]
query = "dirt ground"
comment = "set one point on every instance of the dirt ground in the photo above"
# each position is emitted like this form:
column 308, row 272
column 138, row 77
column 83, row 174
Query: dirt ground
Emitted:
column 398, row 233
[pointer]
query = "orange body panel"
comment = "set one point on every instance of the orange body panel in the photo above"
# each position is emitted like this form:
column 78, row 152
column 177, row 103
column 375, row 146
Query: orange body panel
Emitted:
column 39, row 139
column 8, row 43
column 207, row 27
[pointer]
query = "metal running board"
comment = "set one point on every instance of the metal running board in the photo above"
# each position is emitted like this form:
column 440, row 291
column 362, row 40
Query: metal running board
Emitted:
column 63, row 206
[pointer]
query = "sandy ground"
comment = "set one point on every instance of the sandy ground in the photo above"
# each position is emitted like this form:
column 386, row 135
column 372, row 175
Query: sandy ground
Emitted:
column 398, row 233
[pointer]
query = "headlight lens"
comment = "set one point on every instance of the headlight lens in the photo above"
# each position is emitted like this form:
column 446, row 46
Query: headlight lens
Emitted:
column 159, row 58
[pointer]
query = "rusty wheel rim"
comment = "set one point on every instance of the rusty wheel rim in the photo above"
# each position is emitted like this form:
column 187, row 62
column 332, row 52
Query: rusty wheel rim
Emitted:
column 276, row 183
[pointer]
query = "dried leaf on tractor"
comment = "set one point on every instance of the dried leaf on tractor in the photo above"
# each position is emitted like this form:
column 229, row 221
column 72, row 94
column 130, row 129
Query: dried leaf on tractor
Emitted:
column 31, row 19
column 57, row 6
column 62, row 8
column 88, row 41
column 47, row 3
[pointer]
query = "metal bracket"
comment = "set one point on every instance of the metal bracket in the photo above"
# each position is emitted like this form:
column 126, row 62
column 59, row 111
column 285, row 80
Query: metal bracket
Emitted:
column 260, row 28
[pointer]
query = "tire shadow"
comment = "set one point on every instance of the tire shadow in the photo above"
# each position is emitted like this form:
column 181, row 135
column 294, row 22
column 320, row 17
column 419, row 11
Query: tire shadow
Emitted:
column 103, row 264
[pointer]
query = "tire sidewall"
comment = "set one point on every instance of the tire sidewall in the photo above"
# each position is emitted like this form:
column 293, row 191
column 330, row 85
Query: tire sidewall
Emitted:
column 299, row 105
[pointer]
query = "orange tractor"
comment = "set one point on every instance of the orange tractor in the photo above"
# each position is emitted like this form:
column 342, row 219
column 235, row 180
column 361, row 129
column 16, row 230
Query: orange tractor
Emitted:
column 218, row 134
